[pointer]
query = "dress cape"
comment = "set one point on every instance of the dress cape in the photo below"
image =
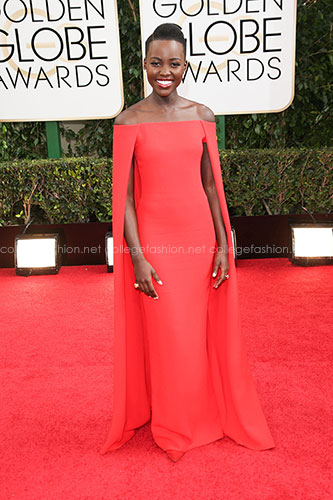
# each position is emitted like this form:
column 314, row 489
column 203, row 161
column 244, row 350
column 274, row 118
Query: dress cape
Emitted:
column 242, row 417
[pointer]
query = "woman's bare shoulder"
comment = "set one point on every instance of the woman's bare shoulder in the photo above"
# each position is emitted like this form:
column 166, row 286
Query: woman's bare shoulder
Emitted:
column 126, row 117
column 198, row 111
column 131, row 115
column 205, row 113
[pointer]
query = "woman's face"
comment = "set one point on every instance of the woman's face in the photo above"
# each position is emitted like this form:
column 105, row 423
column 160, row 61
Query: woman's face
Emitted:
column 165, row 64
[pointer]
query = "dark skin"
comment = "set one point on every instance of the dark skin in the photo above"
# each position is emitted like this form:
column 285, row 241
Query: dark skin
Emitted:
column 165, row 64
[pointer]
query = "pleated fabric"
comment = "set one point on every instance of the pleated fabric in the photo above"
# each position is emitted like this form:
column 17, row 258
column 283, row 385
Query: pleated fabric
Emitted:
column 179, row 361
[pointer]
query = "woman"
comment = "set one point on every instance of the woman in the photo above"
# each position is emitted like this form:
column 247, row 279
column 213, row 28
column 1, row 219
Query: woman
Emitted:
column 179, row 359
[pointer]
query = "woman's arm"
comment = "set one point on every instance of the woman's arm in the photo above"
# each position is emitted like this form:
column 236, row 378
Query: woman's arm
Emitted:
column 131, row 231
column 143, row 270
column 221, row 258
column 209, row 186
column 208, row 183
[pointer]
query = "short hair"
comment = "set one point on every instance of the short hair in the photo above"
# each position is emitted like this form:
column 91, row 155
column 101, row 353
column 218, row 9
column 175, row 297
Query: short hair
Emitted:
column 167, row 31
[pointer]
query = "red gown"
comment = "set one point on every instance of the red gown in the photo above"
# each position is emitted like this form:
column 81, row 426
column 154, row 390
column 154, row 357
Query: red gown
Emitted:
column 179, row 360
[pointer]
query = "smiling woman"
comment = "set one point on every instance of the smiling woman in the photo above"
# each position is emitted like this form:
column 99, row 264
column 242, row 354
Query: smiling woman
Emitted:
column 180, row 358
column 163, row 70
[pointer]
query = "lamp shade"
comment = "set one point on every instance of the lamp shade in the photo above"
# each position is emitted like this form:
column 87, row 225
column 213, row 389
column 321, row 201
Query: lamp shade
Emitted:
column 311, row 243
column 37, row 254
column 109, row 251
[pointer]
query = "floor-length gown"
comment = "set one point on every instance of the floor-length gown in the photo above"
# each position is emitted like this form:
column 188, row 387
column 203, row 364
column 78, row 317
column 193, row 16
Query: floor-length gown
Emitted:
column 179, row 360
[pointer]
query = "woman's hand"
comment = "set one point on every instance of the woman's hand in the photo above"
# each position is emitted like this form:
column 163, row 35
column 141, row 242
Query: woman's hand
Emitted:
column 143, row 271
column 220, row 262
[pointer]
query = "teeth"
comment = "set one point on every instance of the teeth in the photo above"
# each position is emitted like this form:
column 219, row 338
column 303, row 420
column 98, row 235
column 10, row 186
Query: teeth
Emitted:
column 164, row 83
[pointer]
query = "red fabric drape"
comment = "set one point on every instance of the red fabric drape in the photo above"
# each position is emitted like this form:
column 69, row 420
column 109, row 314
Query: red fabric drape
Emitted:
column 240, row 409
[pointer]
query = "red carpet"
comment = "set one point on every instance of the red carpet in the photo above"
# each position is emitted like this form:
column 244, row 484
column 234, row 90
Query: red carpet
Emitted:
column 56, row 396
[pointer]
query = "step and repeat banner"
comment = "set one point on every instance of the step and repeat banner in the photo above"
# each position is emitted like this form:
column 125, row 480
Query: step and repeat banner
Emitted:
column 59, row 60
column 241, row 53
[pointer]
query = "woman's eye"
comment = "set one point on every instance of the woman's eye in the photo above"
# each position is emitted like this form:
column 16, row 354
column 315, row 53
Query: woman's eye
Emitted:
column 155, row 63
column 175, row 64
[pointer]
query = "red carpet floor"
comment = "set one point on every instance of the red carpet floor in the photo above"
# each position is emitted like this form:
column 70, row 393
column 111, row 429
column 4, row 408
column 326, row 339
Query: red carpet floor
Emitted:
column 55, row 372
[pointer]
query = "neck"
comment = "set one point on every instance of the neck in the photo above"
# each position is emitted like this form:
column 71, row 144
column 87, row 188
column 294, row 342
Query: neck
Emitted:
column 164, row 103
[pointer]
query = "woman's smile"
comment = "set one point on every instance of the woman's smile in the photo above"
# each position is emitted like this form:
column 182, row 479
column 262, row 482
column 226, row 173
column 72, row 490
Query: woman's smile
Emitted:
column 164, row 83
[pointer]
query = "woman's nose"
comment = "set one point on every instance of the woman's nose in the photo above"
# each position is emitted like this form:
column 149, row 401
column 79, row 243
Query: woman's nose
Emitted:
column 164, row 71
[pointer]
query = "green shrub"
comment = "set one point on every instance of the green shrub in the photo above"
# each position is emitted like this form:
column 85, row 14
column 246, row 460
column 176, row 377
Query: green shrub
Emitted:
column 256, row 182
column 274, row 182
column 69, row 190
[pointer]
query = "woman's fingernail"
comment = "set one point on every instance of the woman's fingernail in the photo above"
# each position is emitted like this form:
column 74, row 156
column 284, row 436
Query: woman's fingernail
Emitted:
column 160, row 282
column 155, row 298
column 214, row 274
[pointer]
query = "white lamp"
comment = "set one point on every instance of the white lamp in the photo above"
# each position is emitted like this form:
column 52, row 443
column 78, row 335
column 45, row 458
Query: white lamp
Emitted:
column 312, row 244
column 37, row 254
column 109, row 251
column 234, row 242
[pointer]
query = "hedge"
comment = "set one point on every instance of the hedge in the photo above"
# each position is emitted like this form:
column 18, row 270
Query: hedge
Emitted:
column 256, row 182
column 68, row 190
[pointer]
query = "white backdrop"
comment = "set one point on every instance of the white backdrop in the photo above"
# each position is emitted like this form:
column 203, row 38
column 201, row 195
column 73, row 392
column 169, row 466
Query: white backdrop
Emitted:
column 59, row 60
column 241, row 52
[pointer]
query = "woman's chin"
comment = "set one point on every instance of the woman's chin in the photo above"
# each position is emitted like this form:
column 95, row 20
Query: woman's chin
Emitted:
column 164, row 91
